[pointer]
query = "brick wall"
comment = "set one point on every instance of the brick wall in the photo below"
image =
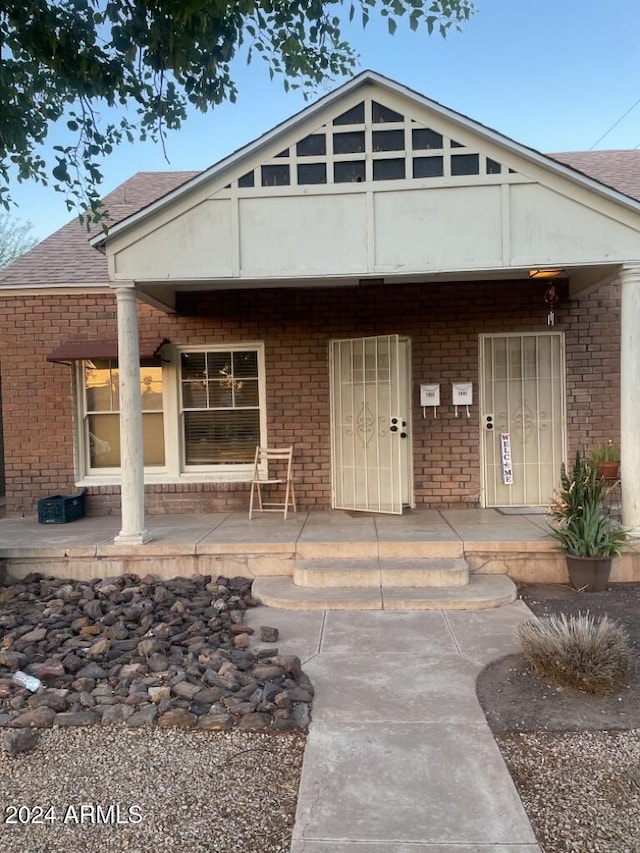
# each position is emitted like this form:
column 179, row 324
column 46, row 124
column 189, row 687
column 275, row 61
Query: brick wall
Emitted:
column 443, row 322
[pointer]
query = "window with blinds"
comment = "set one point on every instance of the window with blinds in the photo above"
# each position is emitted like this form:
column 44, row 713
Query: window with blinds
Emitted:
column 220, row 405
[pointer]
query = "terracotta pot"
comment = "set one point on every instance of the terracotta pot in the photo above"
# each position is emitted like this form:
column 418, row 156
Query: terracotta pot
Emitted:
column 590, row 574
column 608, row 470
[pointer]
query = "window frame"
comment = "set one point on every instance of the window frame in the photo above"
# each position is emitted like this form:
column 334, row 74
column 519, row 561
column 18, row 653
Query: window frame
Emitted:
column 227, row 470
column 174, row 469
column 81, row 427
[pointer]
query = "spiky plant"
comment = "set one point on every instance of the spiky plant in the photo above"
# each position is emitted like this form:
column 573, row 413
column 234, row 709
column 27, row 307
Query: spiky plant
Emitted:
column 592, row 533
column 580, row 652
column 579, row 519
column 579, row 488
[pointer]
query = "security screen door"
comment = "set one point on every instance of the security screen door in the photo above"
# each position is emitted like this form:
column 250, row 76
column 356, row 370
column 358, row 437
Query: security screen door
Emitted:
column 370, row 441
column 523, row 400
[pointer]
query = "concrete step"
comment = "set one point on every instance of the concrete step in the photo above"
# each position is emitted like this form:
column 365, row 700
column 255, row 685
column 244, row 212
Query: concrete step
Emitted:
column 482, row 592
column 331, row 547
column 418, row 572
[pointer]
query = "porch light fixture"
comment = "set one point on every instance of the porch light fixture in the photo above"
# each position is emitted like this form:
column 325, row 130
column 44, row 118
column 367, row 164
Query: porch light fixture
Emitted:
column 546, row 272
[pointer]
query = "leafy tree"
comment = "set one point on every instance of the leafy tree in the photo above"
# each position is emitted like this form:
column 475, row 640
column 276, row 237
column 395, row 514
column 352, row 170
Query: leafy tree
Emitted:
column 15, row 239
column 68, row 59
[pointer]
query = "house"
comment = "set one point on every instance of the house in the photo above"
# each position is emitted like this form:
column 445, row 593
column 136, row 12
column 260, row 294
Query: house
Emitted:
column 432, row 313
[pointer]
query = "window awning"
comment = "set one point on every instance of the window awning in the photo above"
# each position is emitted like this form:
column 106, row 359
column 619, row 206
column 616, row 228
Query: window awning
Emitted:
column 71, row 351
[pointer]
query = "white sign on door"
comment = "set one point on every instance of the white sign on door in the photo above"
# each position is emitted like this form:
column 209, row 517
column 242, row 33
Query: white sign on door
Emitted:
column 505, row 455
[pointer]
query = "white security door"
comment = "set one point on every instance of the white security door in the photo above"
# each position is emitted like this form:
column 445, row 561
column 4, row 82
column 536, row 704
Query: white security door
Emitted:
column 370, row 424
column 523, row 417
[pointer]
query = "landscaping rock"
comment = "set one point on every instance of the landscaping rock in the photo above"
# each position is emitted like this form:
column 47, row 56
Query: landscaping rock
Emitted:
column 76, row 718
column 51, row 668
column 54, row 699
column 37, row 718
column 12, row 660
column 144, row 717
column 254, row 722
column 20, row 740
column 142, row 652
column 269, row 635
column 186, row 690
column 216, row 722
column 34, row 636
column 179, row 718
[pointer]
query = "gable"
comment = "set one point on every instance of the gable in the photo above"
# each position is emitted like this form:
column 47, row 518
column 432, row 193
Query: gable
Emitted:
column 369, row 142
column 376, row 183
column 307, row 189
column 373, row 181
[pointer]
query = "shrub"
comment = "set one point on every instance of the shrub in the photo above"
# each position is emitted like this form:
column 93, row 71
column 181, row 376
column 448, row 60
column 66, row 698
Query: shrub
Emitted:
column 580, row 652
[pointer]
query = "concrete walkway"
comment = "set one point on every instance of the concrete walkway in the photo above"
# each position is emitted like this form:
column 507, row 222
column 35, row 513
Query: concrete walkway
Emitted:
column 400, row 758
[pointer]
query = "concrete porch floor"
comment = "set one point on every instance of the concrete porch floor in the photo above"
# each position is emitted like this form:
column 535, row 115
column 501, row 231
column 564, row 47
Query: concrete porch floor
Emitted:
column 228, row 543
column 491, row 541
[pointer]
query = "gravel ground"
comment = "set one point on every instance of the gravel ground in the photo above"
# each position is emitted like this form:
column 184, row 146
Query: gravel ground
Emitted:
column 575, row 758
column 581, row 790
column 160, row 790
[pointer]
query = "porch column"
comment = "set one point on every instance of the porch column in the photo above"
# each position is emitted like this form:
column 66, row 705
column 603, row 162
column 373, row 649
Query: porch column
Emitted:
column 131, row 458
column 630, row 396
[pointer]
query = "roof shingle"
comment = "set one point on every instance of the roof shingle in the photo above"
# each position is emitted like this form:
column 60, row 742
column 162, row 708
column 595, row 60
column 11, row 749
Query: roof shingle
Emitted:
column 619, row 170
column 66, row 257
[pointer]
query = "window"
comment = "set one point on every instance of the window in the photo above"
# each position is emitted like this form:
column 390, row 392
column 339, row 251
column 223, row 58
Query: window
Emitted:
column 465, row 164
column 203, row 414
column 424, row 138
column 348, row 171
column 312, row 173
column 312, row 146
column 371, row 142
column 275, row 176
column 388, row 140
column 428, row 167
column 221, row 416
column 388, row 170
column 101, row 413
column 353, row 116
column 348, row 143
column 381, row 114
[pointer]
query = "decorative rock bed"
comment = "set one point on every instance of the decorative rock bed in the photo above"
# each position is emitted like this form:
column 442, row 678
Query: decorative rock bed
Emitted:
column 142, row 651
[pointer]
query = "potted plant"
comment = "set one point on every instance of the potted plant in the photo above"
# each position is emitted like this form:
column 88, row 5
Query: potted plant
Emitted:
column 582, row 527
column 606, row 459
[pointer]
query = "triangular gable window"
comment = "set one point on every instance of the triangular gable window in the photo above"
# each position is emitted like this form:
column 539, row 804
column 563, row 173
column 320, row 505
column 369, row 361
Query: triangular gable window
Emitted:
column 381, row 114
column 353, row 116
column 371, row 142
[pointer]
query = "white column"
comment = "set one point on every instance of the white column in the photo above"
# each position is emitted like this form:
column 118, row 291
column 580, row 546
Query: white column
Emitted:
column 630, row 396
column 131, row 458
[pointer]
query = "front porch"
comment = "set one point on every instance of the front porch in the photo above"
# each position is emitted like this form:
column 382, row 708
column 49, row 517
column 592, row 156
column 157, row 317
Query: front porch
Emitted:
column 492, row 542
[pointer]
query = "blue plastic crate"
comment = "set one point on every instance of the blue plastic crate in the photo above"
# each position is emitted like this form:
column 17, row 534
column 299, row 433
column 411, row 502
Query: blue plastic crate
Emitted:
column 59, row 509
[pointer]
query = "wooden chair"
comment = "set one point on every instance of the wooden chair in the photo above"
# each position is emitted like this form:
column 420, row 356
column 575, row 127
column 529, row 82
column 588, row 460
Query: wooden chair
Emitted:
column 277, row 464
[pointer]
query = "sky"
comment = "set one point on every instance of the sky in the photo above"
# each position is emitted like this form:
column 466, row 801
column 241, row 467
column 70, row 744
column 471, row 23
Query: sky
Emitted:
column 555, row 75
